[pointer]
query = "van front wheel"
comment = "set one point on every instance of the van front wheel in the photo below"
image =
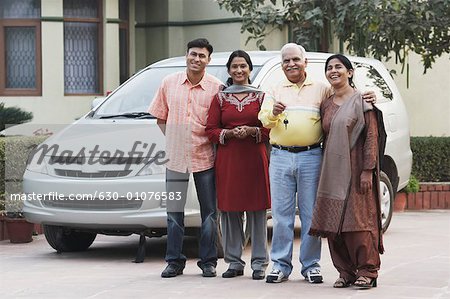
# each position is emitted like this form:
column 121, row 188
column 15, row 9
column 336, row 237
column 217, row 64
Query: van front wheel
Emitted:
column 66, row 240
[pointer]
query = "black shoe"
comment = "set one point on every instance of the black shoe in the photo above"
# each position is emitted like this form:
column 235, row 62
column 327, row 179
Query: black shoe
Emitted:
column 230, row 273
column 364, row 282
column 258, row 275
column 208, row 270
column 172, row 270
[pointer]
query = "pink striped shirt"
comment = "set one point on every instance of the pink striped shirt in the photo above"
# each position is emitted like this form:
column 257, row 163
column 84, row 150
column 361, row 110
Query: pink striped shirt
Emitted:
column 185, row 108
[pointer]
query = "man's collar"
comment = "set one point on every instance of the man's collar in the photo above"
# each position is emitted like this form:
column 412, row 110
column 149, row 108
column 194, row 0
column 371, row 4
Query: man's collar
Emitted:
column 288, row 83
column 185, row 79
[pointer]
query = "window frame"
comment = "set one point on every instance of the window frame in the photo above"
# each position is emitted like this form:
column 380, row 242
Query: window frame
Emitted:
column 36, row 23
column 124, row 25
column 99, row 22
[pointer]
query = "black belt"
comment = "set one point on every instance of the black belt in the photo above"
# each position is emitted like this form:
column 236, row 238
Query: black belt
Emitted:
column 297, row 149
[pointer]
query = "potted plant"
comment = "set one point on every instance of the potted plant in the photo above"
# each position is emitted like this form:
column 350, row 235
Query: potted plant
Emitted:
column 402, row 197
column 3, row 234
column 19, row 230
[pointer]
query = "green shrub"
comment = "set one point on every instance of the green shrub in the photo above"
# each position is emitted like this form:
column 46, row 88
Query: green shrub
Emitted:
column 413, row 185
column 13, row 115
column 2, row 202
column 431, row 159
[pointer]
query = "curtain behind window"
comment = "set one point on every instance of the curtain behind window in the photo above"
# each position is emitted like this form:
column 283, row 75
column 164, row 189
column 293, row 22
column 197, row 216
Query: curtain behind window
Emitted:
column 20, row 44
column 81, row 47
column 80, row 57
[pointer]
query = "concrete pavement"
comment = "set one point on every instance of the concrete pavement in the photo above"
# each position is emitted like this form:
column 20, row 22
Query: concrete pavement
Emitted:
column 416, row 265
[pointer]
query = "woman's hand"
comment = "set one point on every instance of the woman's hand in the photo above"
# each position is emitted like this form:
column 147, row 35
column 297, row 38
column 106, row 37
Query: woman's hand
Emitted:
column 237, row 132
column 370, row 96
column 243, row 132
column 240, row 132
column 366, row 181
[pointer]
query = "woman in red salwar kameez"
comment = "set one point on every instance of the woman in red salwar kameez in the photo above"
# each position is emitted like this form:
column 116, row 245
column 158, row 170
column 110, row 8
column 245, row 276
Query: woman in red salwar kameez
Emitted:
column 241, row 165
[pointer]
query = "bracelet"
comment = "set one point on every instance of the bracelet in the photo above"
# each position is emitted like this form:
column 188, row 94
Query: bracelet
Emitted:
column 257, row 134
column 222, row 136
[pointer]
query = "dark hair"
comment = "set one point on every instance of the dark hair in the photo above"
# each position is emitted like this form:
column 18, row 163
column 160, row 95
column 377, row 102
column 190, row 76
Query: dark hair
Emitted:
column 200, row 43
column 238, row 53
column 345, row 61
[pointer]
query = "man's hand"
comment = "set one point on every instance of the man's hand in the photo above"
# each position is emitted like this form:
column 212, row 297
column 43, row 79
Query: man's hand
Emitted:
column 278, row 108
column 369, row 96
column 366, row 181
column 162, row 125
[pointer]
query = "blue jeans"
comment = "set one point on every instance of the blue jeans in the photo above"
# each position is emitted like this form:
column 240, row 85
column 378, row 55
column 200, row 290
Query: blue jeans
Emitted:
column 294, row 174
column 206, row 192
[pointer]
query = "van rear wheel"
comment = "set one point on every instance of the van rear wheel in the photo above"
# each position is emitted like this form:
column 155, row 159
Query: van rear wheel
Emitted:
column 66, row 240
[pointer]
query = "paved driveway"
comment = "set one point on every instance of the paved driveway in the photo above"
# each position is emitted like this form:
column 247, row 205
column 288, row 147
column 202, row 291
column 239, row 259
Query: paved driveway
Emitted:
column 416, row 265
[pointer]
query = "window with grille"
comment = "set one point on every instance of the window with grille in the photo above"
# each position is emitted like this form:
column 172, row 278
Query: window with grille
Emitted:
column 20, row 48
column 82, row 47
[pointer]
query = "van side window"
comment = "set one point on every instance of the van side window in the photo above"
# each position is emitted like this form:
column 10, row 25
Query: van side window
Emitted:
column 366, row 77
column 272, row 78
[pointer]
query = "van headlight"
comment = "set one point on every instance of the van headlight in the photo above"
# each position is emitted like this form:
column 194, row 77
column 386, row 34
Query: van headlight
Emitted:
column 36, row 163
column 152, row 168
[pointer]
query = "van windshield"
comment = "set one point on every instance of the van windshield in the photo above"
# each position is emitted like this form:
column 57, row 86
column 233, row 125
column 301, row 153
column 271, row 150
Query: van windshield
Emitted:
column 136, row 94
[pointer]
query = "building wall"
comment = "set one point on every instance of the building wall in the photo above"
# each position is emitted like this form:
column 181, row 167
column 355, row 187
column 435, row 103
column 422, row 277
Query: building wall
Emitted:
column 427, row 98
column 111, row 66
column 53, row 107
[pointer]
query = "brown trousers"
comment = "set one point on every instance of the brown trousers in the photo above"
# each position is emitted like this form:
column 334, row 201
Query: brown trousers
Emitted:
column 355, row 254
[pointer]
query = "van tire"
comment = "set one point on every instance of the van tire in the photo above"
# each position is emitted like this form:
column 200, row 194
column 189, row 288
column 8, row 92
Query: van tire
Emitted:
column 387, row 196
column 66, row 240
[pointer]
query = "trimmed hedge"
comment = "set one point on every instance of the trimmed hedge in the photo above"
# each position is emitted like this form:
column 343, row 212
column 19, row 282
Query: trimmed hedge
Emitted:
column 13, row 158
column 431, row 158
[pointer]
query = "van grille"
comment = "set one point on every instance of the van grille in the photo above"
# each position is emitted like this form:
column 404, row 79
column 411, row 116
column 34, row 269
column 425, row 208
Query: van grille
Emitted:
column 94, row 204
column 99, row 174
column 65, row 160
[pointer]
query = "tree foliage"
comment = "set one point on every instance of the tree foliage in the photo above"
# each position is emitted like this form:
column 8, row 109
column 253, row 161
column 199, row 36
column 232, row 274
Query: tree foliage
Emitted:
column 13, row 115
column 378, row 28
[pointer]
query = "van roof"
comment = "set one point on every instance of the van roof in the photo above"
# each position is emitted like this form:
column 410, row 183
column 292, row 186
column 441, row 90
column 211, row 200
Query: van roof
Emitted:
column 259, row 58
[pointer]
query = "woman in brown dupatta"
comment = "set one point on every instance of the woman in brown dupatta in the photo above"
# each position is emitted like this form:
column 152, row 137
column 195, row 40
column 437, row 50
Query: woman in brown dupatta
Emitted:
column 347, row 209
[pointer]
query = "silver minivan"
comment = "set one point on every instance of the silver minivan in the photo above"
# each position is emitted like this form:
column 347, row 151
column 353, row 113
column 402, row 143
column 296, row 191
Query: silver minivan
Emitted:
column 105, row 174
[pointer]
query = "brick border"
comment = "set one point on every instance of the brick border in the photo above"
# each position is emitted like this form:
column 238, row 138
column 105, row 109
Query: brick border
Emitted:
column 430, row 196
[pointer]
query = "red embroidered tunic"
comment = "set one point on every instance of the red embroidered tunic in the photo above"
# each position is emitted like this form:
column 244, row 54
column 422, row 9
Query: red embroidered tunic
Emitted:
column 242, row 178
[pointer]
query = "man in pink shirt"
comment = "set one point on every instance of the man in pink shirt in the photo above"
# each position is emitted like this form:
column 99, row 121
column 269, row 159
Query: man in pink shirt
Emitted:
column 181, row 106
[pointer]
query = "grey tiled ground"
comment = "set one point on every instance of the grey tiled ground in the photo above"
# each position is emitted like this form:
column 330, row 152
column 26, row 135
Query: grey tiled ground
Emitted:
column 416, row 265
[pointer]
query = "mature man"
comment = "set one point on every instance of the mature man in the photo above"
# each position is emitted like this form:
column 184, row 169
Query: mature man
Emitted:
column 181, row 107
column 296, row 134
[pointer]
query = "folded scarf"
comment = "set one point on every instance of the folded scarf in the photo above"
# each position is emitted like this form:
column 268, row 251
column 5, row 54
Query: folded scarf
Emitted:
column 335, row 178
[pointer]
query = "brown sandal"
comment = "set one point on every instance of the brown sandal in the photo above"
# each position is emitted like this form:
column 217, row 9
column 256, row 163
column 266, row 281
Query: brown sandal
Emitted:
column 342, row 283
column 364, row 282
